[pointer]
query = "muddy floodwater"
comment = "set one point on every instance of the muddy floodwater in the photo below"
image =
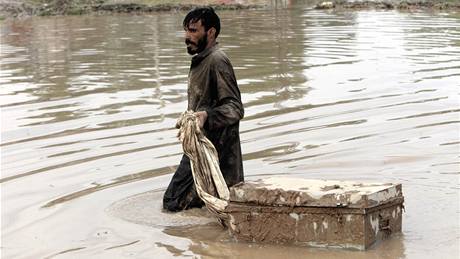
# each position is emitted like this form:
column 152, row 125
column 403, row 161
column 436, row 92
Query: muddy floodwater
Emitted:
column 89, row 104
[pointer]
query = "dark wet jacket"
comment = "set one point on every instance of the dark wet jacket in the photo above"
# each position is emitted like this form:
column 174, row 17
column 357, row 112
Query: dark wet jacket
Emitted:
column 212, row 88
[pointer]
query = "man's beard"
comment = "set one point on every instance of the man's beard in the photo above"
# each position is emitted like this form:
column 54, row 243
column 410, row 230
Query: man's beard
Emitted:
column 201, row 45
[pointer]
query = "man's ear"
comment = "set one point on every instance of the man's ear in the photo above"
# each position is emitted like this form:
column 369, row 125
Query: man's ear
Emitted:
column 212, row 32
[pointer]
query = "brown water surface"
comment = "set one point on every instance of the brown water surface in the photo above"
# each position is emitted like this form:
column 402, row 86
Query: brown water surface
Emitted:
column 89, row 103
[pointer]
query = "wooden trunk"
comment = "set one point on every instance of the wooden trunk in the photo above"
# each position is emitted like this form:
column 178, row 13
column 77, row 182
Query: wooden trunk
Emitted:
column 314, row 212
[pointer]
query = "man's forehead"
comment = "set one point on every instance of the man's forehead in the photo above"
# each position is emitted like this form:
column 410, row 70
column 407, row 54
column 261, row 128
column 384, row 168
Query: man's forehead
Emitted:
column 194, row 24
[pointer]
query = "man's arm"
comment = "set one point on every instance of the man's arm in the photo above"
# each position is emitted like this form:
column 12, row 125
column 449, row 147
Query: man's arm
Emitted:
column 229, row 108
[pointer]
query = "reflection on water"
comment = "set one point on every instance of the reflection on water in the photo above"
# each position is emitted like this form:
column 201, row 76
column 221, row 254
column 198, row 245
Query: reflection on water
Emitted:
column 210, row 242
column 89, row 103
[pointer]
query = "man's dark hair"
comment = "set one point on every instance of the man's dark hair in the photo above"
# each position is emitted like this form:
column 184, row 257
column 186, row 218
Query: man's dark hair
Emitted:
column 207, row 16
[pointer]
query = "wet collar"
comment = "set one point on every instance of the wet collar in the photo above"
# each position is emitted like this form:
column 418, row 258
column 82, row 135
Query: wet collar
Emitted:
column 202, row 55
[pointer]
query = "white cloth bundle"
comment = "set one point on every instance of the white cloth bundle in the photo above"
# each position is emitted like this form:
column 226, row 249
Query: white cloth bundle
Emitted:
column 209, row 182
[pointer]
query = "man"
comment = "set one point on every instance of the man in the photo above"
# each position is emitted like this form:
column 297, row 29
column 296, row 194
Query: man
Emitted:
column 214, row 95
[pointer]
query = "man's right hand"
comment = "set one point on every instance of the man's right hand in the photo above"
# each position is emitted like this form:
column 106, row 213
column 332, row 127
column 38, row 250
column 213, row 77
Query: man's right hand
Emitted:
column 202, row 117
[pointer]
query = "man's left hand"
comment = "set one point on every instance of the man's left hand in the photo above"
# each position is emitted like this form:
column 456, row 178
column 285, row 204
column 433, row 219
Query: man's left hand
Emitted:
column 202, row 117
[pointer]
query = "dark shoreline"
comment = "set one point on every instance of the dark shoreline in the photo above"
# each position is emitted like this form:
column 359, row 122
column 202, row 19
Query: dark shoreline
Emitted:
column 99, row 7
column 13, row 9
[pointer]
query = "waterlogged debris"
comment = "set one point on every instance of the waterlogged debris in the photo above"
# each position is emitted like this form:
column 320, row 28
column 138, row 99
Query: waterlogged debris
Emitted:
column 325, row 5
column 314, row 212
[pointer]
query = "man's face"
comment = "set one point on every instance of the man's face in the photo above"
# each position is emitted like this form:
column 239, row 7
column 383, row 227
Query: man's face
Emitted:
column 195, row 37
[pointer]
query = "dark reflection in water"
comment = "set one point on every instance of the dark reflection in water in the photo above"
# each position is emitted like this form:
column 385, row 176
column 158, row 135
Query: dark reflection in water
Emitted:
column 89, row 103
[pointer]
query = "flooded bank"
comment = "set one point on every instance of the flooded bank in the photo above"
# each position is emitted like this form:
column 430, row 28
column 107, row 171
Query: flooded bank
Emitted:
column 21, row 8
column 89, row 104
column 390, row 5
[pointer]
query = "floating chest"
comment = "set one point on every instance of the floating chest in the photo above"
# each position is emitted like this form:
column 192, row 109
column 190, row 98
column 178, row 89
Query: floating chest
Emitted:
column 318, row 213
